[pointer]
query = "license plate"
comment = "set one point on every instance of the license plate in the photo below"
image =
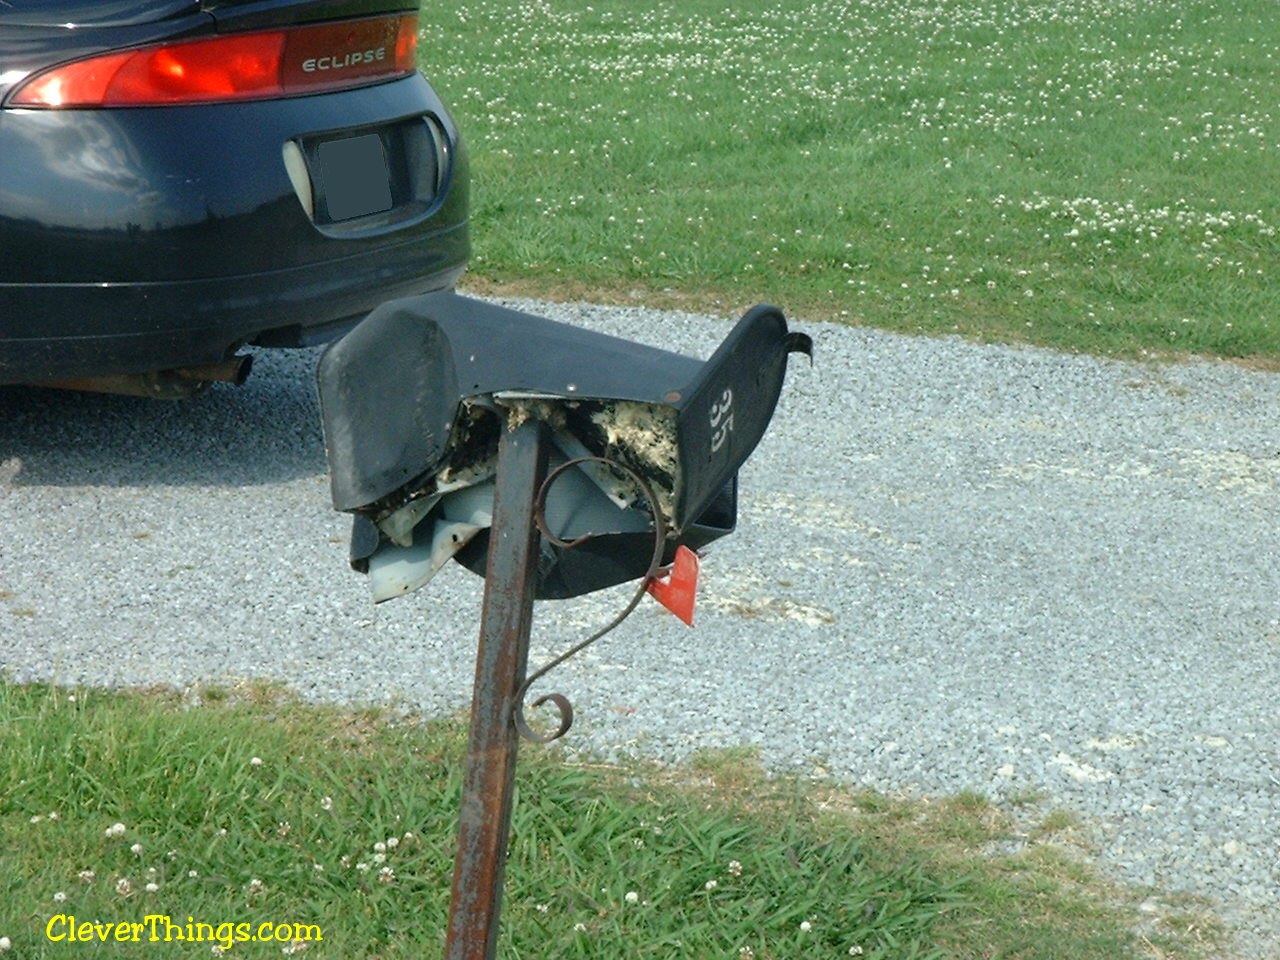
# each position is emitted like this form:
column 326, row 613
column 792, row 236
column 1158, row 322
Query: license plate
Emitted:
column 354, row 177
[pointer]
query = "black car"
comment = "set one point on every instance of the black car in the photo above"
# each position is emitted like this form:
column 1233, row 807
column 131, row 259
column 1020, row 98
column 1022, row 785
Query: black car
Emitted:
column 179, row 178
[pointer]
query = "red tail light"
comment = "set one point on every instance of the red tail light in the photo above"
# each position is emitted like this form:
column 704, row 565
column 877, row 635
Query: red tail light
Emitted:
column 241, row 66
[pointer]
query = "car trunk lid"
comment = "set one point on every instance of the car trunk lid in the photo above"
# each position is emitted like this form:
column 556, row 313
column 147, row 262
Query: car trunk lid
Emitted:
column 254, row 14
column 66, row 14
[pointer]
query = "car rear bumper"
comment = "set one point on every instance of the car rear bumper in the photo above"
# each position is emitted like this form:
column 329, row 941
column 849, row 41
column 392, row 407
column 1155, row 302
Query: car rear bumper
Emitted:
column 151, row 326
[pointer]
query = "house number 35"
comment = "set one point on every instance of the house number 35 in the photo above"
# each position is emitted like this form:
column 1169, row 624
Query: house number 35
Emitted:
column 721, row 420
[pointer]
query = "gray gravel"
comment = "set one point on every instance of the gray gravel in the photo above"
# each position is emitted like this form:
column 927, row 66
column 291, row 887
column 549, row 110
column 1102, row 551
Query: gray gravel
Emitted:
column 957, row 567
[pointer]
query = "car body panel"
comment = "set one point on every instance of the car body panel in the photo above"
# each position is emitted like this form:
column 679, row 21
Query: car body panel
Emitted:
column 157, row 187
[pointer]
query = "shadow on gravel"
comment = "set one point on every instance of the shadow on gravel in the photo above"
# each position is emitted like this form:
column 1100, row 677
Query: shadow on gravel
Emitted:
column 267, row 431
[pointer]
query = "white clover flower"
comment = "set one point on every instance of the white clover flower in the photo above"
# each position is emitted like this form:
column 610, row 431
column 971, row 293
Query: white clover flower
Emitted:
column 632, row 897
column 87, row 876
column 579, row 928
column 152, row 887
column 115, row 830
column 5, row 944
column 54, row 815
column 379, row 848
column 192, row 874
column 255, row 886
column 711, row 885
column 124, row 887
column 326, row 803
column 855, row 951
column 735, row 868
column 136, row 849
column 805, row 926
column 36, row 818
column 59, row 897
column 386, row 875
column 255, row 761
column 393, row 842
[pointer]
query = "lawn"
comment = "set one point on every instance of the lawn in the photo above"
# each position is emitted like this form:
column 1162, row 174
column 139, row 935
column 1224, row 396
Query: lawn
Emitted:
column 1087, row 174
column 242, row 822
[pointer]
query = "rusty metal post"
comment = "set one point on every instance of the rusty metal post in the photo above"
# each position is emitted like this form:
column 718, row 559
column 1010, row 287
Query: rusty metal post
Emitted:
column 501, row 661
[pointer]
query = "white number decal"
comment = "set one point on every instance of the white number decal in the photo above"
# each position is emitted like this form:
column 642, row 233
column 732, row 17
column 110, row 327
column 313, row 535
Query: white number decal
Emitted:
column 721, row 420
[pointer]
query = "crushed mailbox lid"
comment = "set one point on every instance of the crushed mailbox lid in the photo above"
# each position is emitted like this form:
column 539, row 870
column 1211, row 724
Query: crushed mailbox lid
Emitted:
column 414, row 398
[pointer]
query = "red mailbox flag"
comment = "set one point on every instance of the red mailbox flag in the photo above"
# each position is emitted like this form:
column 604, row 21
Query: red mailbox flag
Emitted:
column 679, row 590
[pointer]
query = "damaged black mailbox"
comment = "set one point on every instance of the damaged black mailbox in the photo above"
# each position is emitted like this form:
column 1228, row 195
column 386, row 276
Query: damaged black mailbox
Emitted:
column 414, row 401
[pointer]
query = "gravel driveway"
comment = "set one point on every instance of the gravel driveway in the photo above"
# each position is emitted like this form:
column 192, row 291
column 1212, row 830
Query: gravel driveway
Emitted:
column 957, row 567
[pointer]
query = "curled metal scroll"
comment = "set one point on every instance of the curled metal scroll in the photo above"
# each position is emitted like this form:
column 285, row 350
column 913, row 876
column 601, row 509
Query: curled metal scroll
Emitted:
column 559, row 700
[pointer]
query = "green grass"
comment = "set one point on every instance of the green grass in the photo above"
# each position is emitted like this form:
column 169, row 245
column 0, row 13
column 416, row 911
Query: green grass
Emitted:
column 248, row 807
column 1088, row 174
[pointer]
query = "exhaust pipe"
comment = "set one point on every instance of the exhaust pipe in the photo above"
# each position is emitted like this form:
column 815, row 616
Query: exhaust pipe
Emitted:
column 179, row 383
